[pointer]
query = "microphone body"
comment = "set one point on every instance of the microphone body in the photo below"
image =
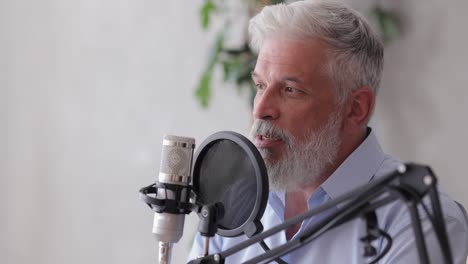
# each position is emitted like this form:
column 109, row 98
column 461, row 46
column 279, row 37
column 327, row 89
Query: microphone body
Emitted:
column 174, row 175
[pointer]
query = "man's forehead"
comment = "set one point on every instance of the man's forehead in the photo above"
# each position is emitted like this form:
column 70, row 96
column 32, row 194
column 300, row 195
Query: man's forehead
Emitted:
column 275, row 46
column 287, row 67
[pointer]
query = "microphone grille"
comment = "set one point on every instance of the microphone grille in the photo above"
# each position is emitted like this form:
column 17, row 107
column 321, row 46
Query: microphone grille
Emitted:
column 176, row 157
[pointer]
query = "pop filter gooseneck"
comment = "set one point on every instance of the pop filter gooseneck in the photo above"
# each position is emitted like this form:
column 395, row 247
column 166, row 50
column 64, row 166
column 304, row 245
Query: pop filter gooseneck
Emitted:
column 229, row 169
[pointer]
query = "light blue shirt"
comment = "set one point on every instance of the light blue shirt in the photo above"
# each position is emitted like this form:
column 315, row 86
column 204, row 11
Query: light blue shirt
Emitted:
column 342, row 244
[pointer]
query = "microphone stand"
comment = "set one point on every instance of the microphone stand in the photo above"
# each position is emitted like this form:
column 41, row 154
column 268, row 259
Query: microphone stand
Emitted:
column 411, row 183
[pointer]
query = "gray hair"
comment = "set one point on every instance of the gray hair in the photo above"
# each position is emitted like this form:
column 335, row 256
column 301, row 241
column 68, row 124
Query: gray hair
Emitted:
column 355, row 50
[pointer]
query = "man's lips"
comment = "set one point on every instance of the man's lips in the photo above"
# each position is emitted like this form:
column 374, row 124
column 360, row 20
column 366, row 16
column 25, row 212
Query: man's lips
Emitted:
column 262, row 141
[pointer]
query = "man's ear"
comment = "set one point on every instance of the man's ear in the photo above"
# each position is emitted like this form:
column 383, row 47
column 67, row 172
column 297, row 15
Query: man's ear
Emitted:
column 360, row 106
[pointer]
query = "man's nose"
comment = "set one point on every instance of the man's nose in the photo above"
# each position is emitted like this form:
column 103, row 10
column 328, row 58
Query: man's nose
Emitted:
column 266, row 104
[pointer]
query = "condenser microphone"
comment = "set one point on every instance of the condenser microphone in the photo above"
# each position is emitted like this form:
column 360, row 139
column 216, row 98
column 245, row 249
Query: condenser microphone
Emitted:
column 174, row 176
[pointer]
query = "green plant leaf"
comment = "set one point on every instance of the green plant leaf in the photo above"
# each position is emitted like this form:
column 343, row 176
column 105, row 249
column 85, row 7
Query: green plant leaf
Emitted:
column 388, row 23
column 389, row 28
column 213, row 56
column 247, row 67
column 205, row 13
column 231, row 68
column 203, row 91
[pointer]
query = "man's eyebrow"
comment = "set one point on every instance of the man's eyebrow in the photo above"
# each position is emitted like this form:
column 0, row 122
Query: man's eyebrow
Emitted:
column 254, row 75
column 292, row 79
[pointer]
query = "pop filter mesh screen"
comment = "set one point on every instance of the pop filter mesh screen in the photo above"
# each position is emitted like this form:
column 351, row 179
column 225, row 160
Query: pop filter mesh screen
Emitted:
column 228, row 176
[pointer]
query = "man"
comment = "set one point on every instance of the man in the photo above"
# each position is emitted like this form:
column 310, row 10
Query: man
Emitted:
column 317, row 74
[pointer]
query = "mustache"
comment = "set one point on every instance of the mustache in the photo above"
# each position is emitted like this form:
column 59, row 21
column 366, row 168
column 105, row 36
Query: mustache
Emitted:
column 267, row 128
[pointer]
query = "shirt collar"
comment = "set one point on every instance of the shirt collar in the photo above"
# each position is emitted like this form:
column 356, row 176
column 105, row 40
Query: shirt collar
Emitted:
column 357, row 169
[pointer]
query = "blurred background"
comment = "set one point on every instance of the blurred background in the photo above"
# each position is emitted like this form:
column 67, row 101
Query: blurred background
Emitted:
column 88, row 89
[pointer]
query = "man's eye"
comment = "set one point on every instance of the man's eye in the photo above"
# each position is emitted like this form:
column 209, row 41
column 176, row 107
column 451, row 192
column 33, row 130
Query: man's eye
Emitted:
column 259, row 86
column 292, row 90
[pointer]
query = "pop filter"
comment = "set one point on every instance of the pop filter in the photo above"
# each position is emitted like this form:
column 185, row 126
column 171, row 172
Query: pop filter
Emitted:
column 229, row 169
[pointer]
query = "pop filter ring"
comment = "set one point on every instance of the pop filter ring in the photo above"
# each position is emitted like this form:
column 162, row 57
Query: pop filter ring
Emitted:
column 252, row 225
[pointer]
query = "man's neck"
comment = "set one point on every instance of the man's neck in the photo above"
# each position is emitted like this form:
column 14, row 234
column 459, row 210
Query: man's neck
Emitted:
column 296, row 202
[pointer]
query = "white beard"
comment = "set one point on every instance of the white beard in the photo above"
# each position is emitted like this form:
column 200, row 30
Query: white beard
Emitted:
column 302, row 163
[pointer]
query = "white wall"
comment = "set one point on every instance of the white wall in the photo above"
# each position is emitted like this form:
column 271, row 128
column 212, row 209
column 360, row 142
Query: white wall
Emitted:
column 421, row 108
column 92, row 87
column 424, row 99
column 88, row 88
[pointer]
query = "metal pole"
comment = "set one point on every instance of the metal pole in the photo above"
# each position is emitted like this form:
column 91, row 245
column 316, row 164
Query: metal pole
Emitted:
column 418, row 233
